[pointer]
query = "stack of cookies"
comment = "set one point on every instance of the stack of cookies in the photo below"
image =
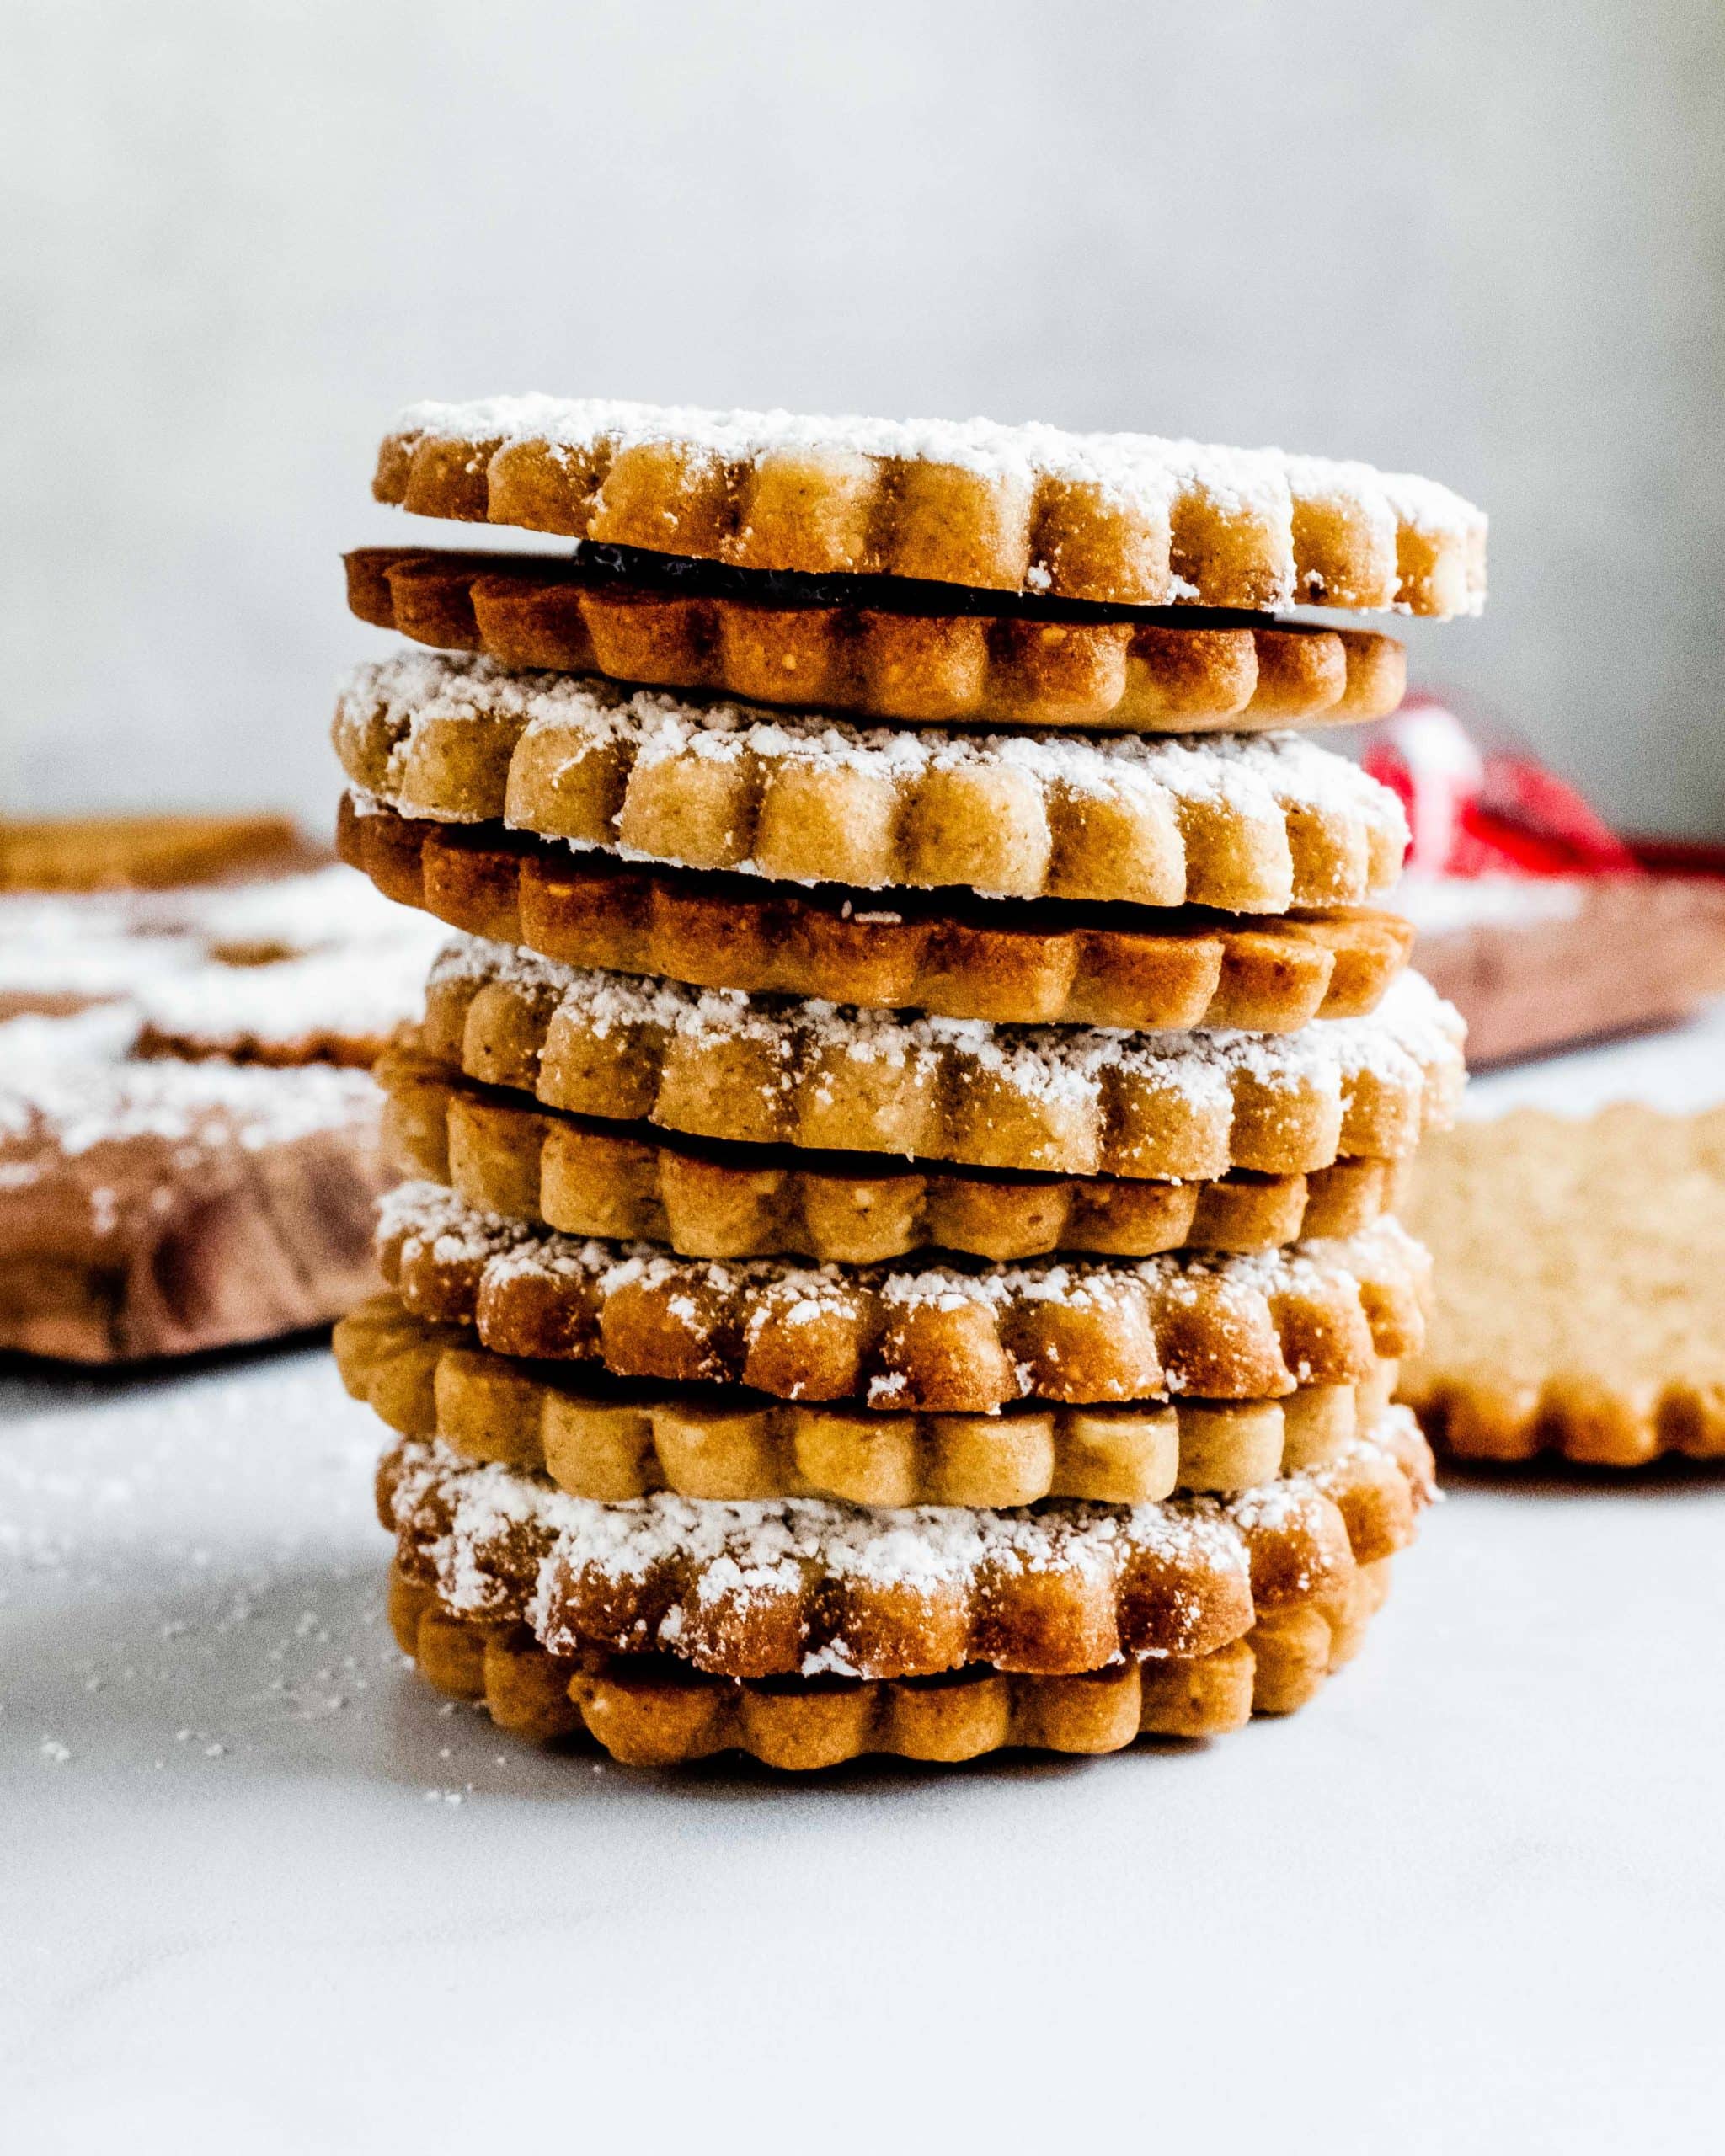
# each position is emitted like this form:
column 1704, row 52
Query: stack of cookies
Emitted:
column 900, row 1254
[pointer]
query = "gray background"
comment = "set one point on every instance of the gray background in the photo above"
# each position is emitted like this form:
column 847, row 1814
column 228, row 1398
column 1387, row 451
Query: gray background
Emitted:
column 1484, row 241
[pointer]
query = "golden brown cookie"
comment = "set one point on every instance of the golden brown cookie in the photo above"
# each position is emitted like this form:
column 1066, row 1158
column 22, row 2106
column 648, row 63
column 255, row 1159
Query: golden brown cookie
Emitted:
column 93, row 853
column 1580, row 1302
column 1126, row 518
column 712, row 1199
column 1254, row 824
column 649, row 1711
column 1012, row 961
column 937, row 1336
column 597, row 1437
column 804, row 1587
column 1059, row 1100
column 901, row 658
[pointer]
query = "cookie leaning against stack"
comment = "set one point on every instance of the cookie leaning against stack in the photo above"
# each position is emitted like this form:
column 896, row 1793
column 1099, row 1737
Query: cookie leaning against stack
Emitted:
column 899, row 1255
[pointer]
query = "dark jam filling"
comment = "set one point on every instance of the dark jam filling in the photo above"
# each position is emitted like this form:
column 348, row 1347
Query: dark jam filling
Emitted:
column 1036, row 916
column 755, row 1154
column 598, row 562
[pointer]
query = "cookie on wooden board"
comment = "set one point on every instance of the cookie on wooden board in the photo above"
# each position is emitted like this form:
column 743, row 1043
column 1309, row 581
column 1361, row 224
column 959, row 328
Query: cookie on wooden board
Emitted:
column 157, row 1208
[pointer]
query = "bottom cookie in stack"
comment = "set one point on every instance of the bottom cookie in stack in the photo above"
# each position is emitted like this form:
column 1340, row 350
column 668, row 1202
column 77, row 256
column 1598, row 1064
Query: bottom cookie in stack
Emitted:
column 806, row 1631
column 646, row 1712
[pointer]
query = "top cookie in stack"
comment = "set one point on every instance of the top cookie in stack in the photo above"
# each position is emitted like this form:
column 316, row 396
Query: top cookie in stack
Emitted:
column 937, row 779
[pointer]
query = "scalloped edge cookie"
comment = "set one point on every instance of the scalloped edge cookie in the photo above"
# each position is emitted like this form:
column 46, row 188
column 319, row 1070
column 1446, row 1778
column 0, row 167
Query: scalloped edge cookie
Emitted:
column 1253, row 824
column 1124, row 518
column 1020, row 962
column 716, row 1199
column 804, row 1587
column 900, row 659
column 1058, row 1100
column 646, row 1712
column 596, row 1438
column 1580, row 1299
column 946, row 1338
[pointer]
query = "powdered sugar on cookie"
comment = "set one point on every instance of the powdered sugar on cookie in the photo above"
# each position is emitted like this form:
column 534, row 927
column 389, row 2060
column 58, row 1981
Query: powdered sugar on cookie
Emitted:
column 1214, row 819
column 1135, row 485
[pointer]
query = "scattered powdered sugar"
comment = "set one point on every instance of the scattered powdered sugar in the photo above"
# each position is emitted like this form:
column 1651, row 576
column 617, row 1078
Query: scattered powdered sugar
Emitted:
column 65, row 951
column 357, row 995
column 328, row 908
column 296, row 915
column 68, row 1102
column 35, row 1045
column 293, row 958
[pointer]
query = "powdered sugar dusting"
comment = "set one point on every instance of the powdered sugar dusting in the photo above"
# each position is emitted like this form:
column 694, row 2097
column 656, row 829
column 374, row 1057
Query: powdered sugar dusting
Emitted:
column 509, row 1544
column 778, row 1294
column 1412, row 1030
column 222, row 967
column 415, row 697
column 1136, row 472
column 65, row 1091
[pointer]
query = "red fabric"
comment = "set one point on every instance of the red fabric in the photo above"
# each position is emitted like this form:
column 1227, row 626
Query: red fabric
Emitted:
column 1485, row 809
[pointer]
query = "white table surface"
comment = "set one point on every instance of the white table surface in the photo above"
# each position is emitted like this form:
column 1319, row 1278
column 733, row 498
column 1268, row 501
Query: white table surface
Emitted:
column 260, row 1889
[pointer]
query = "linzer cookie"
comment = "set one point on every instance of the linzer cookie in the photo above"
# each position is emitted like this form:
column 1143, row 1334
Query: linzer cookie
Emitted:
column 1581, row 1300
column 909, row 656
column 801, row 1587
column 1253, row 824
column 1061, row 1100
column 1124, row 519
column 937, row 1336
column 1051, row 960
column 649, row 1711
column 805, row 1587
column 597, row 1437
column 712, row 1198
